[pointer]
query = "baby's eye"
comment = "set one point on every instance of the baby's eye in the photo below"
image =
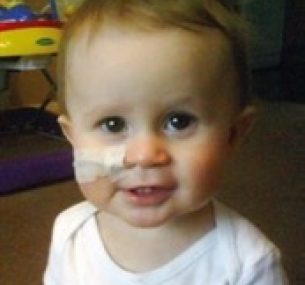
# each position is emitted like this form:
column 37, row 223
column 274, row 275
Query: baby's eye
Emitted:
column 178, row 121
column 113, row 124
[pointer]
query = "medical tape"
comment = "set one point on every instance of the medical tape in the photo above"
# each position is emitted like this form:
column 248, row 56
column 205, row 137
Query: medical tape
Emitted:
column 89, row 165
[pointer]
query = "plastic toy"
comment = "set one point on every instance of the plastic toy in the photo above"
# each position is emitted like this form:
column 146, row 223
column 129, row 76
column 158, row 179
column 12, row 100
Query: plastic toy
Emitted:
column 15, row 10
column 17, row 13
column 23, row 32
column 11, row 3
column 29, row 37
column 65, row 8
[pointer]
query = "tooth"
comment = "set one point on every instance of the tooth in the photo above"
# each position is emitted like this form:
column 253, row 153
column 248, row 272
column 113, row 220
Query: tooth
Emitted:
column 145, row 190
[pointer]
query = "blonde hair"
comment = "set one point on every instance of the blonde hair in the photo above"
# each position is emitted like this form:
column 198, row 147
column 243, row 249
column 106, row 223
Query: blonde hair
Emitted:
column 191, row 15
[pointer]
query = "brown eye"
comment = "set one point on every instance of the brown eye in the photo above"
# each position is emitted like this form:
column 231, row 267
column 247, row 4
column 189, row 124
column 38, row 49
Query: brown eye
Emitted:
column 113, row 124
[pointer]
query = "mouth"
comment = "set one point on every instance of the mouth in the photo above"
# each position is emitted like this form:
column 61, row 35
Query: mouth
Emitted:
column 148, row 195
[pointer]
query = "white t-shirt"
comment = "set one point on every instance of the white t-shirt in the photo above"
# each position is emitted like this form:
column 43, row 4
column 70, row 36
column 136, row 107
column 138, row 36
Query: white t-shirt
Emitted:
column 234, row 253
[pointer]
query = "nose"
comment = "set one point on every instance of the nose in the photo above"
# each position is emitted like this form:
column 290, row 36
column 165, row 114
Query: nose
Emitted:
column 147, row 151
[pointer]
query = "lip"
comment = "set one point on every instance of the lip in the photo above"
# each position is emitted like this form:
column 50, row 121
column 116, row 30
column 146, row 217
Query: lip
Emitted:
column 148, row 195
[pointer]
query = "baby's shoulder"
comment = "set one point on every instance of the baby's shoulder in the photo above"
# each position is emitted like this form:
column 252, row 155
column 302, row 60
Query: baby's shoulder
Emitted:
column 70, row 220
column 247, row 242
column 76, row 212
column 250, row 257
column 251, row 240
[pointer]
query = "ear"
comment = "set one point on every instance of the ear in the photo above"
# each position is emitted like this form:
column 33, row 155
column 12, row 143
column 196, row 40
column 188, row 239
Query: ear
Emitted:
column 66, row 127
column 242, row 125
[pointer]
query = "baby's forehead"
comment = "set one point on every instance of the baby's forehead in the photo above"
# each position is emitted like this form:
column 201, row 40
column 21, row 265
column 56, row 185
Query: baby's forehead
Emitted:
column 116, row 49
column 154, row 62
column 209, row 43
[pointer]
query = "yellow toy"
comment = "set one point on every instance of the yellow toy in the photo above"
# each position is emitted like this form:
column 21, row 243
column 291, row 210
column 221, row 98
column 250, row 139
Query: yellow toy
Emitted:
column 66, row 8
column 10, row 3
column 29, row 38
column 25, row 33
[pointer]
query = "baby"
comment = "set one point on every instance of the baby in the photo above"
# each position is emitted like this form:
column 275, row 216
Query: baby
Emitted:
column 155, row 101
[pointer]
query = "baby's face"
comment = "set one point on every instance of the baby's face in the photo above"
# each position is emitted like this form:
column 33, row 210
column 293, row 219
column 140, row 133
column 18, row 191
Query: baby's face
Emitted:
column 165, row 97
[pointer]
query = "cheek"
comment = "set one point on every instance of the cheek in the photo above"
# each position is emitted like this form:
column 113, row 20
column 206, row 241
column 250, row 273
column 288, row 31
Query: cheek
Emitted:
column 85, row 137
column 204, row 167
column 86, row 141
column 99, row 192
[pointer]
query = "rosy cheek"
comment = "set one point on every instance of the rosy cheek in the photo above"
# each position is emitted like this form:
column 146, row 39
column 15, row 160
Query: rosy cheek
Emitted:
column 206, row 167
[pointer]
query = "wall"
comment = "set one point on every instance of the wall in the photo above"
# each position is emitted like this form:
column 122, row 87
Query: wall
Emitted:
column 267, row 18
column 294, row 37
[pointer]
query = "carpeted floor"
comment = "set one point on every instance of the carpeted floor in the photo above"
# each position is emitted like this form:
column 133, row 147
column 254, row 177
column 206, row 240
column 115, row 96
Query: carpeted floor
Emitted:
column 265, row 182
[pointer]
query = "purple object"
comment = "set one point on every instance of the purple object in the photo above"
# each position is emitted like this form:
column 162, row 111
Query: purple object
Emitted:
column 22, row 173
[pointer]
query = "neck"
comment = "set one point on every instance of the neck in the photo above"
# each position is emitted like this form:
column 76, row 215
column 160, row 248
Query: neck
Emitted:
column 160, row 244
